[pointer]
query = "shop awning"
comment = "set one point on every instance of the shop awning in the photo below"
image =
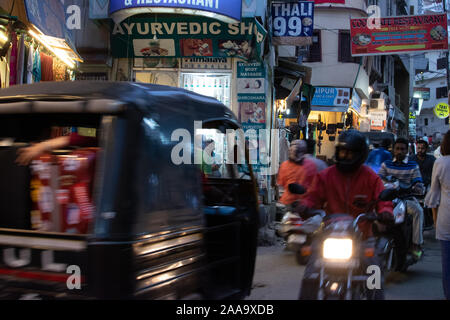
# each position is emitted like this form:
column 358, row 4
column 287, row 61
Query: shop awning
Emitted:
column 46, row 22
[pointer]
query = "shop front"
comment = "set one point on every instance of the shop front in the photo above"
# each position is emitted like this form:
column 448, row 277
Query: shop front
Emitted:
column 330, row 115
column 35, row 43
column 195, row 53
column 216, row 52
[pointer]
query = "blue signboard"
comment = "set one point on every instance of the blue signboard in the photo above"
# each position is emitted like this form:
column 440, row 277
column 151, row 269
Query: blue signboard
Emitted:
column 331, row 97
column 356, row 101
column 293, row 20
column 228, row 8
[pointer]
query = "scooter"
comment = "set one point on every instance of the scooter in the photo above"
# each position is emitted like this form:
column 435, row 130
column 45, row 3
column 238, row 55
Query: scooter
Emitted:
column 400, row 233
column 297, row 232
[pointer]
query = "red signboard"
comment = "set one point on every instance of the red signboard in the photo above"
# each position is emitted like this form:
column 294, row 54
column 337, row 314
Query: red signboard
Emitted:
column 398, row 34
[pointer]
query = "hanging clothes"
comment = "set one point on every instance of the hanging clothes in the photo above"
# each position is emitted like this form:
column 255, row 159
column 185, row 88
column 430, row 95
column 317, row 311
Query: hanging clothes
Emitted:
column 46, row 67
column 30, row 63
column 13, row 60
column 21, row 60
column 37, row 66
column 59, row 70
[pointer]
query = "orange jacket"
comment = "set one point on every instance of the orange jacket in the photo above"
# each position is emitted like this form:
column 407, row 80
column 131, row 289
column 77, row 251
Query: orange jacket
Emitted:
column 291, row 172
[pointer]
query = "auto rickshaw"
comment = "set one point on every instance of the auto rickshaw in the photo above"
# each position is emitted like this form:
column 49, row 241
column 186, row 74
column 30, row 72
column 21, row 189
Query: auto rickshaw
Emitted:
column 155, row 229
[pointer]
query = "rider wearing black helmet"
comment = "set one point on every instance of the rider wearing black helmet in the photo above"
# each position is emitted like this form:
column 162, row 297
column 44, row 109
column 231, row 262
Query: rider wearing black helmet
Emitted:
column 347, row 187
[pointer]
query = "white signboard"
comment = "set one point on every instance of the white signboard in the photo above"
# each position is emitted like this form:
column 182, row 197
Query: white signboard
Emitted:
column 377, row 118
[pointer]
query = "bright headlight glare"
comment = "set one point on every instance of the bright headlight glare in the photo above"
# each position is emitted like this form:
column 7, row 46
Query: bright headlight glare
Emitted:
column 337, row 249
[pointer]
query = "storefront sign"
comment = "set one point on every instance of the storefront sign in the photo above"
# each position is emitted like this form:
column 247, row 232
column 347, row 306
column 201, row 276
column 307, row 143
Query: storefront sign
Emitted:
column 251, row 88
column 187, row 37
column 356, row 101
column 49, row 16
column 377, row 120
column 206, row 63
column 441, row 110
column 422, row 93
column 399, row 34
column 293, row 23
column 226, row 10
column 331, row 97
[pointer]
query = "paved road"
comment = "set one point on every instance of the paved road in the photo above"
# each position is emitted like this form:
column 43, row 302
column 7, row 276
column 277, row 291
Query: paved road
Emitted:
column 278, row 276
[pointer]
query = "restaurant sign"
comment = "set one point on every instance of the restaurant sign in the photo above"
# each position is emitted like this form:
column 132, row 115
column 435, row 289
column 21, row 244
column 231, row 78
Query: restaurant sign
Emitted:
column 293, row 23
column 225, row 10
column 399, row 35
column 187, row 37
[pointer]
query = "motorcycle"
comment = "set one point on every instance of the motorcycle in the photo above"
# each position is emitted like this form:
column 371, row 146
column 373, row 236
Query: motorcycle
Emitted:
column 297, row 232
column 400, row 233
column 341, row 271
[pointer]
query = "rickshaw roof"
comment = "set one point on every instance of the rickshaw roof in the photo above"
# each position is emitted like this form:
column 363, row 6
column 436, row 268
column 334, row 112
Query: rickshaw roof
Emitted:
column 127, row 92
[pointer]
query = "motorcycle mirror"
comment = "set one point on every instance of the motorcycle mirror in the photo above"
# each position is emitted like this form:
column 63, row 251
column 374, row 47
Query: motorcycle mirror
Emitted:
column 296, row 188
column 388, row 195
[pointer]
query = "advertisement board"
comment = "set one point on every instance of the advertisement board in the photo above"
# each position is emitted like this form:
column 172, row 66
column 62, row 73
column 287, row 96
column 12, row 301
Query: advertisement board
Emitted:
column 377, row 120
column 227, row 10
column 293, row 23
column 399, row 35
column 441, row 110
column 422, row 93
column 329, row 97
column 185, row 36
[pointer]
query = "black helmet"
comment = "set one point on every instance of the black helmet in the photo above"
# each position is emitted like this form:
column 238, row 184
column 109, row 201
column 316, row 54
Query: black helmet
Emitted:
column 354, row 141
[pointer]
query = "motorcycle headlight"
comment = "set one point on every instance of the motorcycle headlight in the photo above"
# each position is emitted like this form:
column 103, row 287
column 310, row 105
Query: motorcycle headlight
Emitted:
column 337, row 249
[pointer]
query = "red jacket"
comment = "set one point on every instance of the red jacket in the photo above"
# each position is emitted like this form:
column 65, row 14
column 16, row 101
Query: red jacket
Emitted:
column 335, row 193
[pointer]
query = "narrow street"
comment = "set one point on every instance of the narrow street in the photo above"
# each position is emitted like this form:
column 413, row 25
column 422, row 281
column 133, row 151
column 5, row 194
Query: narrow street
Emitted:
column 278, row 276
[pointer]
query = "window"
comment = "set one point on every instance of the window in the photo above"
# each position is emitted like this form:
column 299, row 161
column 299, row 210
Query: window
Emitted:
column 441, row 63
column 446, row 120
column 345, row 51
column 389, row 70
column 441, row 92
column 315, row 50
column 376, row 65
column 426, row 121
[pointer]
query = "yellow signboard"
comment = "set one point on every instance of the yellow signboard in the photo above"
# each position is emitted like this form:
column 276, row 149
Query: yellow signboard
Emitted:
column 441, row 110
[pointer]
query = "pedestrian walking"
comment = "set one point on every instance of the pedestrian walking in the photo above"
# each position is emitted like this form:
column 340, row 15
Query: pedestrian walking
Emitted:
column 439, row 197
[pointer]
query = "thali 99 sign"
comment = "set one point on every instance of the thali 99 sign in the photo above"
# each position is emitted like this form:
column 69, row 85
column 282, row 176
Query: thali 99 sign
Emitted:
column 292, row 22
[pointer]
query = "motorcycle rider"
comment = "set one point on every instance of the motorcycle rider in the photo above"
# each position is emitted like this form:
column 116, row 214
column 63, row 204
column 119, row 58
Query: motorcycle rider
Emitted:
column 408, row 173
column 379, row 155
column 342, row 188
column 425, row 161
column 298, row 169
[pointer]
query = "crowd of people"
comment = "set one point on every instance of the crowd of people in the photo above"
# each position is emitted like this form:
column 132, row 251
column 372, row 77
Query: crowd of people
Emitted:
column 359, row 174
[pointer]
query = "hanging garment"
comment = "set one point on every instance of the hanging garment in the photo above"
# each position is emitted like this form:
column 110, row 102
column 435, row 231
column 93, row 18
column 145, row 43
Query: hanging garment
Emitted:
column 13, row 60
column 30, row 63
column 21, row 60
column 59, row 70
column 46, row 67
column 37, row 66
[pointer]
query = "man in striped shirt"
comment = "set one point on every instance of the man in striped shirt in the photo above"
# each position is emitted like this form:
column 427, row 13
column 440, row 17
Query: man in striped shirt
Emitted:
column 408, row 173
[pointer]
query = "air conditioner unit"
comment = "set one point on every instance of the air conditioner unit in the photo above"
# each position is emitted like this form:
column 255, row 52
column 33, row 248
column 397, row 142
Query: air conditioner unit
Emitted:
column 378, row 104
